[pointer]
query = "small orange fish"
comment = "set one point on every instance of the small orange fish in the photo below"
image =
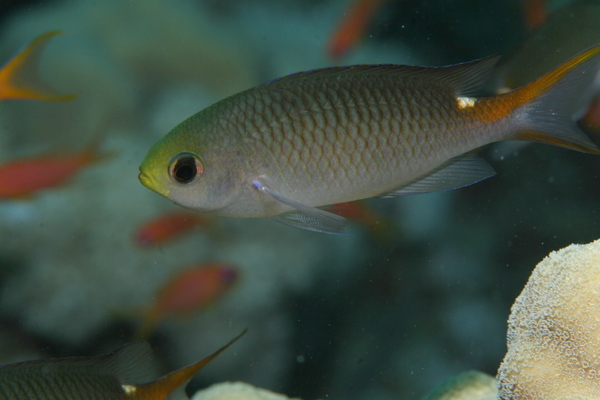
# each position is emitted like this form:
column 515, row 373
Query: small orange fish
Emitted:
column 591, row 119
column 189, row 290
column 122, row 374
column 26, row 176
column 357, row 211
column 19, row 78
column 361, row 213
column 535, row 13
column 352, row 28
column 168, row 226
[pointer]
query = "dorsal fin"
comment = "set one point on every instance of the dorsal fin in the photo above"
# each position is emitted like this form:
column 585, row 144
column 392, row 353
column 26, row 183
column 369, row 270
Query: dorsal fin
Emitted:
column 466, row 78
column 133, row 363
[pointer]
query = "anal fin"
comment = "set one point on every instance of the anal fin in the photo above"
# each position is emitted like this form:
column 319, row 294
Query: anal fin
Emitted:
column 458, row 172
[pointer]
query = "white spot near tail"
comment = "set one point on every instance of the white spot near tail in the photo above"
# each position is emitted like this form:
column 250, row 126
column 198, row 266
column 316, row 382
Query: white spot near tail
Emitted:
column 129, row 389
column 465, row 102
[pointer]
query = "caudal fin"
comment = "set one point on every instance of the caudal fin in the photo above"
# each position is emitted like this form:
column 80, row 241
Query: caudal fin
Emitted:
column 548, row 105
column 19, row 77
column 172, row 385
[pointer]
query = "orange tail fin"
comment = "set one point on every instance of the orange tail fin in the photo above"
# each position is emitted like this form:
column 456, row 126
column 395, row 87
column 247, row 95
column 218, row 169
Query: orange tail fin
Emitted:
column 19, row 77
column 545, row 110
column 175, row 381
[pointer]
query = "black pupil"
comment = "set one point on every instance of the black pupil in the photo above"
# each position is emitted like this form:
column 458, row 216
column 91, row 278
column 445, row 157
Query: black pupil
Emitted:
column 185, row 170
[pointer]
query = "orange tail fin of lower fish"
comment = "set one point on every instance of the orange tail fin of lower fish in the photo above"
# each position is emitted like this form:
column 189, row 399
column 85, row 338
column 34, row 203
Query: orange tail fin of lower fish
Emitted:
column 544, row 110
column 171, row 386
column 19, row 77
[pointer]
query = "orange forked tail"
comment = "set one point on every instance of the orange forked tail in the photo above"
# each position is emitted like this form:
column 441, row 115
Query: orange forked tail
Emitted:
column 19, row 77
column 544, row 110
column 175, row 381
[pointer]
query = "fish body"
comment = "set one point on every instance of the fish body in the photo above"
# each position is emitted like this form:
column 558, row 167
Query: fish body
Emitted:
column 124, row 374
column 190, row 290
column 341, row 134
column 23, row 177
column 375, row 223
column 19, row 78
column 352, row 27
column 167, row 227
column 591, row 119
column 535, row 13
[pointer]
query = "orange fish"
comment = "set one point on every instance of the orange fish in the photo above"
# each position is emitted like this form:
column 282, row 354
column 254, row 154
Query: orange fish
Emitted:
column 189, row 290
column 352, row 28
column 535, row 13
column 123, row 374
column 361, row 213
column 168, row 226
column 19, row 77
column 26, row 176
column 357, row 211
column 591, row 119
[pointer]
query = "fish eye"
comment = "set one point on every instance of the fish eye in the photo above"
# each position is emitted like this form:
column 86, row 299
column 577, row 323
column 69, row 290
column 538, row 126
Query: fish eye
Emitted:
column 185, row 168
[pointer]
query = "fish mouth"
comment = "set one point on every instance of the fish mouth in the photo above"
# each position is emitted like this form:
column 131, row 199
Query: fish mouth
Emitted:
column 153, row 184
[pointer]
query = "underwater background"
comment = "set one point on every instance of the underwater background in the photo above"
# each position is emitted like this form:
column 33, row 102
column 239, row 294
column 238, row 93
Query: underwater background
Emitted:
column 420, row 293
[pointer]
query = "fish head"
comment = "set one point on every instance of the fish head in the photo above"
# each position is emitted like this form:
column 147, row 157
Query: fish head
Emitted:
column 189, row 172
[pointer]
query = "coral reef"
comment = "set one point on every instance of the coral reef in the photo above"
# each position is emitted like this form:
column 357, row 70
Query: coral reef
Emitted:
column 236, row 391
column 554, row 330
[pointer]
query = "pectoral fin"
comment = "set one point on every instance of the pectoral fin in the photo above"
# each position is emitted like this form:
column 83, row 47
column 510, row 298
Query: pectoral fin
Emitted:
column 458, row 172
column 306, row 217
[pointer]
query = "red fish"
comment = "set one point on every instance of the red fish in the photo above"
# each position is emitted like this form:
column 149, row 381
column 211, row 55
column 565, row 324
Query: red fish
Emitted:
column 26, row 176
column 357, row 211
column 352, row 28
column 361, row 213
column 189, row 290
column 535, row 13
column 169, row 226
column 19, row 78
column 591, row 119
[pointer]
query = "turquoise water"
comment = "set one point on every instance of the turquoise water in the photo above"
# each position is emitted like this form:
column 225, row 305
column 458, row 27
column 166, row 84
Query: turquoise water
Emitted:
column 370, row 315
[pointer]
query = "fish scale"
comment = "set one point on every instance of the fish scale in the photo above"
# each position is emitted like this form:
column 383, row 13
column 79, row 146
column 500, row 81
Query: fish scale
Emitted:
column 348, row 120
column 24, row 385
column 340, row 134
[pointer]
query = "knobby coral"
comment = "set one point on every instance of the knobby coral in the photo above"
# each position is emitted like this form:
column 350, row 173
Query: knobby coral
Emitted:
column 554, row 330
column 237, row 391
